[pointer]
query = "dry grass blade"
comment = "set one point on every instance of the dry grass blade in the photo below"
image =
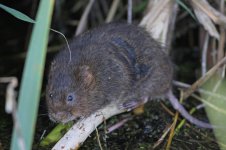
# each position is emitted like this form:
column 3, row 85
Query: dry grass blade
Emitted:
column 203, row 79
column 205, row 20
column 172, row 131
column 220, row 54
column 98, row 139
column 205, row 7
column 158, row 17
column 183, row 121
column 83, row 20
column 112, row 11
column 160, row 140
column 204, row 54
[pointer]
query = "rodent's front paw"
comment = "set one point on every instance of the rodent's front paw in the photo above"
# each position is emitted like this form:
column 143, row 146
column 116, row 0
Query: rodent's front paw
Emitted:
column 133, row 103
column 129, row 105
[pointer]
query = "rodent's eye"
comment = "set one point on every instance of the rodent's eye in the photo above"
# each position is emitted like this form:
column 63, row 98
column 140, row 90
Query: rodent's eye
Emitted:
column 51, row 95
column 70, row 97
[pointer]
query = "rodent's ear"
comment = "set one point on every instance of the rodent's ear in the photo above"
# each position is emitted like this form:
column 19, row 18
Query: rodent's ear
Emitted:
column 86, row 75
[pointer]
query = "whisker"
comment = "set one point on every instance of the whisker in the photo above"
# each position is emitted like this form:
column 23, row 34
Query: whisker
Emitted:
column 43, row 115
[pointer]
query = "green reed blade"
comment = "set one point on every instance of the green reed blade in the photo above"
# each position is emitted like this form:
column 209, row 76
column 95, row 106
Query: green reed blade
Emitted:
column 32, row 76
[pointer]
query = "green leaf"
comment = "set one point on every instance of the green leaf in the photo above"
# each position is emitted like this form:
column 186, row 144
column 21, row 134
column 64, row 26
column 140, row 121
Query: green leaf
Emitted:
column 215, row 115
column 57, row 133
column 31, row 84
column 17, row 14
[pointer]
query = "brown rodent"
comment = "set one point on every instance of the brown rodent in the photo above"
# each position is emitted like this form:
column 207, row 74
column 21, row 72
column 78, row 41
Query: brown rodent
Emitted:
column 117, row 63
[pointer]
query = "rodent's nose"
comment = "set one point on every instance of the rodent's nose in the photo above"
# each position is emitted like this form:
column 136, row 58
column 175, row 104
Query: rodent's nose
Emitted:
column 61, row 115
column 58, row 116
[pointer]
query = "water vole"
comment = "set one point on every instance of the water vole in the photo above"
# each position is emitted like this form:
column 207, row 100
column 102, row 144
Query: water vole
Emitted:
column 117, row 63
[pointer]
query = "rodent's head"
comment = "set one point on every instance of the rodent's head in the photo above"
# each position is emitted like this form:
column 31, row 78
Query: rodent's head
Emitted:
column 67, row 91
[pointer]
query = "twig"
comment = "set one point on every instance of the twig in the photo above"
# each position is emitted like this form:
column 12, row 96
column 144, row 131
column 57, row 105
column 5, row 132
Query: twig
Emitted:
column 204, row 54
column 202, row 91
column 112, row 11
column 82, row 129
column 83, row 20
column 183, row 121
column 105, row 134
column 129, row 12
column 167, row 109
column 10, row 93
column 98, row 139
column 165, row 132
column 11, row 106
column 223, row 72
column 203, row 79
column 172, row 131
column 214, row 51
column 220, row 54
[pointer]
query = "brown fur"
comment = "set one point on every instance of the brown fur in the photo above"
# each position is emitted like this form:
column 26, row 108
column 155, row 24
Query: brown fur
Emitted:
column 117, row 63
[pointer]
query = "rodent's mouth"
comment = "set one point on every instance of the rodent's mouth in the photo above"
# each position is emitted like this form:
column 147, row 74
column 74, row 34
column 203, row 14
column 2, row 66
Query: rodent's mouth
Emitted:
column 61, row 117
